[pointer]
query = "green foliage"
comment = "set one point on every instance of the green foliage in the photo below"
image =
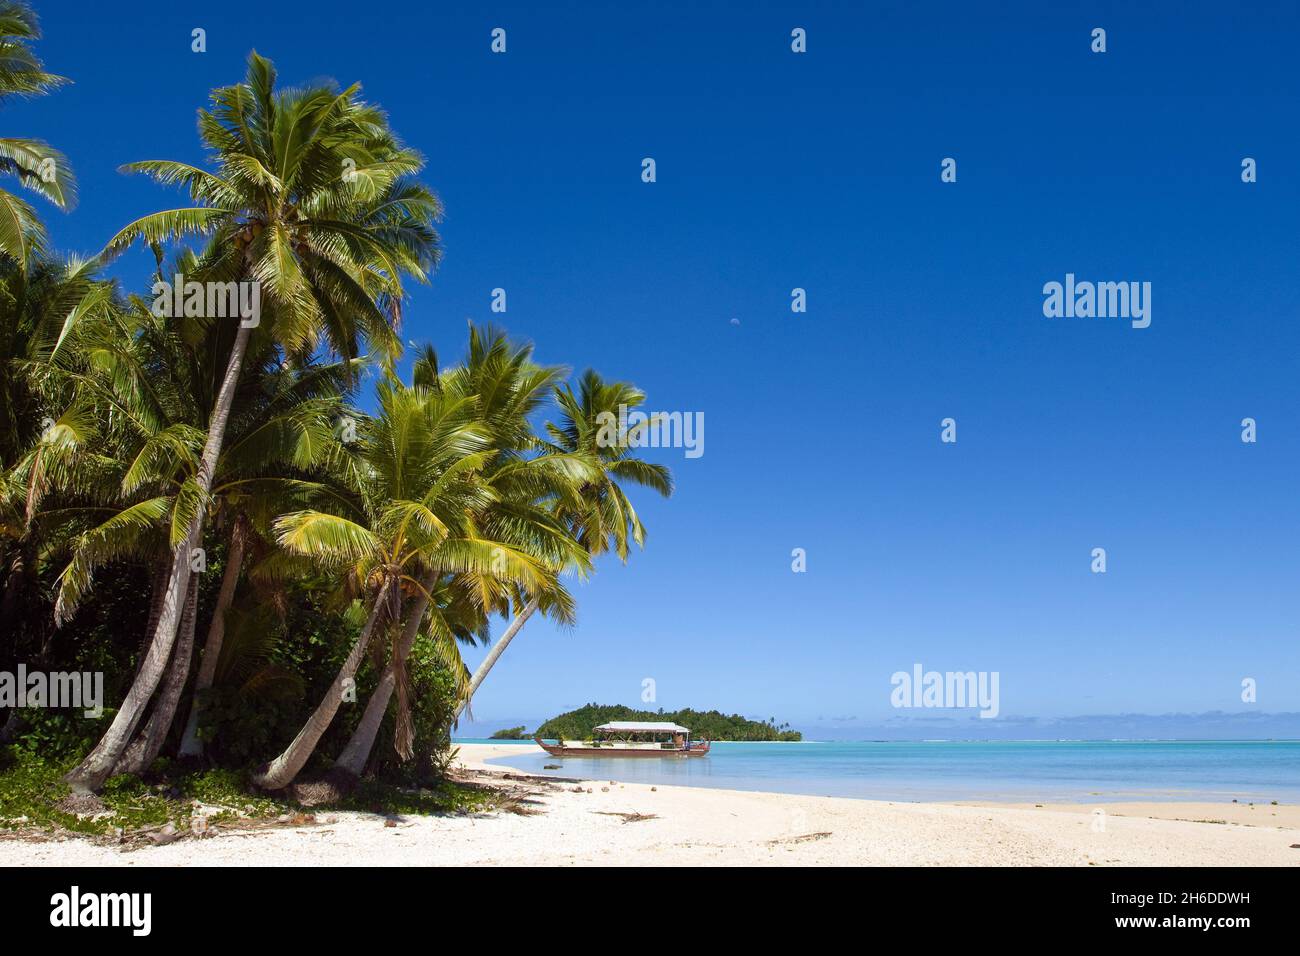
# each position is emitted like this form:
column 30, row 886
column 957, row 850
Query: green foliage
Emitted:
column 433, row 702
column 704, row 725
column 450, row 503
column 511, row 733
column 33, row 795
column 36, row 165
column 257, row 705
column 440, row 797
column 56, row 734
column 104, row 639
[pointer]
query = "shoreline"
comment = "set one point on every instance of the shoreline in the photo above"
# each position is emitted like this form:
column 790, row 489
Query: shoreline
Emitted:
column 1140, row 833
column 572, row 821
column 1020, row 797
column 1286, row 816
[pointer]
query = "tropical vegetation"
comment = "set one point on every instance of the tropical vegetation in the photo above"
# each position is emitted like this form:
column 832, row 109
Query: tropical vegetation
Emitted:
column 271, row 533
column 703, row 724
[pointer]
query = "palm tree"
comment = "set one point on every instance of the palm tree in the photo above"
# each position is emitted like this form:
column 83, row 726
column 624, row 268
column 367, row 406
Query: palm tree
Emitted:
column 40, row 306
column 37, row 166
column 280, row 444
column 157, row 375
column 142, row 750
column 418, row 489
column 448, row 611
column 508, row 387
column 311, row 199
column 191, row 744
column 600, row 516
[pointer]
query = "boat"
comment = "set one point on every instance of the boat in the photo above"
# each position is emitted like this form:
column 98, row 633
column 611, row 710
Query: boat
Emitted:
column 632, row 738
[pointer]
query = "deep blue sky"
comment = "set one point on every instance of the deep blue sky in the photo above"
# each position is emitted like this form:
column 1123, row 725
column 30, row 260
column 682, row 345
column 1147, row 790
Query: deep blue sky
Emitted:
column 821, row 170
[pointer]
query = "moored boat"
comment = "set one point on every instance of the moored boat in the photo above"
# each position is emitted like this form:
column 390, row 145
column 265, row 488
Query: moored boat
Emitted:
column 632, row 738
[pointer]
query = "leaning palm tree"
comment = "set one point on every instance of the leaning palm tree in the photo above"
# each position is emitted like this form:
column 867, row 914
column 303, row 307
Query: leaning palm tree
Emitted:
column 276, row 461
column 38, row 166
column 508, row 387
column 157, row 376
column 599, row 516
column 265, row 468
column 447, row 612
column 311, row 199
column 418, row 489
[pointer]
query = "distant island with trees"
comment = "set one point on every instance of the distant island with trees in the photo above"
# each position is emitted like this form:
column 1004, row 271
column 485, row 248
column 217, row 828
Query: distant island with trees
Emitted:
column 510, row 733
column 709, row 725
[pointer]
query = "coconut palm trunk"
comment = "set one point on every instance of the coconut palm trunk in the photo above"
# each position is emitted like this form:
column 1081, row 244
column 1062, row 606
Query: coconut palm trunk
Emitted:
column 95, row 768
column 157, row 591
column 280, row 772
column 158, row 578
column 357, row 752
column 145, row 747
column 191, row 745
column 498, row 649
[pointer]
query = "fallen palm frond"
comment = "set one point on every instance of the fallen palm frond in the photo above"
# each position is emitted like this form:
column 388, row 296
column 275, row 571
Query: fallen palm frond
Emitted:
column 628, row 817
column 801, row 838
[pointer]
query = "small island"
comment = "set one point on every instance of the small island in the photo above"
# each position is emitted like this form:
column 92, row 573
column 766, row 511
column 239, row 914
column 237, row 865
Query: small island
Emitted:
column 705, row 725
column 510, row 733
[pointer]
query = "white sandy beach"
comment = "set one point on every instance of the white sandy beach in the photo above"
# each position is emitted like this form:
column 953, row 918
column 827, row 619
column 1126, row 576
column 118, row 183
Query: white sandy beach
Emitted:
column 585, row 825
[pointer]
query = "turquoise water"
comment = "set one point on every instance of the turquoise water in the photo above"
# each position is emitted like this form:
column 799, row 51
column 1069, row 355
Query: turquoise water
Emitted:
column 1082, row 771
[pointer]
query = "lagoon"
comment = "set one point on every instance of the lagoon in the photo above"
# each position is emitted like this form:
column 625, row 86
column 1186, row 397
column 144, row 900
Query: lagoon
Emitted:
column 1006, row 771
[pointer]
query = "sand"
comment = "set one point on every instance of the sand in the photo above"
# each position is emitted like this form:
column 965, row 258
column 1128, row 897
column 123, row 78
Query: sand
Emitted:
column 639, row 825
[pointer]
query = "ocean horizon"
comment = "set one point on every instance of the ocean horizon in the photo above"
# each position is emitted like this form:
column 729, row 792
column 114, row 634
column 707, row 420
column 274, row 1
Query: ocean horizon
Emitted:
column 1057, row 771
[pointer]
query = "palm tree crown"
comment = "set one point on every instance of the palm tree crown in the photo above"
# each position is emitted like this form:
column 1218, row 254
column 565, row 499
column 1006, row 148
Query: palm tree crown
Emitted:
column 38, row 166
column 311, row 196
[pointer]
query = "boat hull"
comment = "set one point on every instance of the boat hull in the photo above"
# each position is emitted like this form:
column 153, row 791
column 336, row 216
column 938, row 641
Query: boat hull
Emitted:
column 696, row 750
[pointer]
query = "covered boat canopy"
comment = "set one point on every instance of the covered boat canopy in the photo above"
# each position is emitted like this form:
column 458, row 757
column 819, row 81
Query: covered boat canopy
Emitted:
column 641, row 727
